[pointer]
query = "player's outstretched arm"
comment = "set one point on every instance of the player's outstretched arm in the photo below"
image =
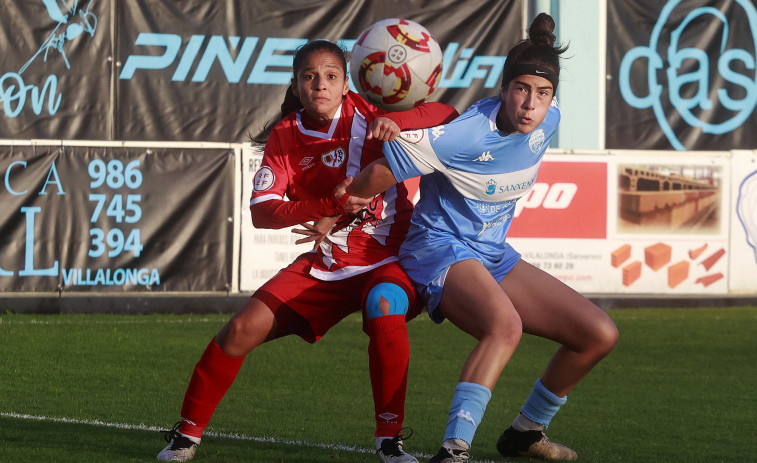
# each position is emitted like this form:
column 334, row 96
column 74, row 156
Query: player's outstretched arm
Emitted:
column 372, row 180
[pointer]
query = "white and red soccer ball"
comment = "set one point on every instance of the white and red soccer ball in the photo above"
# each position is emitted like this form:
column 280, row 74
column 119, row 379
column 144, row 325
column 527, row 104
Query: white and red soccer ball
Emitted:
column 396, row 64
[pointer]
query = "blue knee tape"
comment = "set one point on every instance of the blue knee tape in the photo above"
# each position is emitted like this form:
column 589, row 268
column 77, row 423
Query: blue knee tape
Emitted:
column 396, row 296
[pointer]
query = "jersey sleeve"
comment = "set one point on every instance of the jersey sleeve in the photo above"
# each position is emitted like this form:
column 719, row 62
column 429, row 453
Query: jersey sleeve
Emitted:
column 420, row 152
column 426, row 115
column 281, row 214
column 411, row 155
column 268, row 207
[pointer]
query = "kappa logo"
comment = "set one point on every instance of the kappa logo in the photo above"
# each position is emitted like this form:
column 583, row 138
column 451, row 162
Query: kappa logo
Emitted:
column 484, row 157
column 437, row 132
column 334, row 158
column 463, row 415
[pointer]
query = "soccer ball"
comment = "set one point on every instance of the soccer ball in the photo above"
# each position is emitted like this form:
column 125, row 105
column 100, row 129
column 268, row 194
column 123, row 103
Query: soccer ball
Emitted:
column 396, row 64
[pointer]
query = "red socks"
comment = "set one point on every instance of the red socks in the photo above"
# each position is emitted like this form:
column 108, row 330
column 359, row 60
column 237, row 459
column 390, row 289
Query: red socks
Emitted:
column 212, row 377
column 388, row 350
column 388, row 358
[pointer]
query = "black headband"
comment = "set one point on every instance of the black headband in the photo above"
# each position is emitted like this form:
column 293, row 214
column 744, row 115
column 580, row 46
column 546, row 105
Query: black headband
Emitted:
column 520, row 69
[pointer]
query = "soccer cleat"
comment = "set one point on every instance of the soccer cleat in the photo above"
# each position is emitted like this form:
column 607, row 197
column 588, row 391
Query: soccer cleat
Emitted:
column 533, row 444
column 445, row 455
column 180, row 447
column 391, row 450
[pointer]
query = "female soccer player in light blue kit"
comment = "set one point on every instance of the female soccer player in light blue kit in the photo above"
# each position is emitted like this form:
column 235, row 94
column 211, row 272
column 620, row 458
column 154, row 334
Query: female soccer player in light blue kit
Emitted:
column 474, row 169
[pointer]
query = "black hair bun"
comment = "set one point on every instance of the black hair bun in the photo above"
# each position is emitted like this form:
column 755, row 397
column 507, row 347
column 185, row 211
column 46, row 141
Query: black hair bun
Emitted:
column 540, row 31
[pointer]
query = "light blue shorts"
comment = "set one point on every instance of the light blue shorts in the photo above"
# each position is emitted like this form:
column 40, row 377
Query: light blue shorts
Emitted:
column 427, row 265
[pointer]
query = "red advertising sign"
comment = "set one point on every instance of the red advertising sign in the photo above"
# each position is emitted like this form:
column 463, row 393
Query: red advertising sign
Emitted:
column 569, row 200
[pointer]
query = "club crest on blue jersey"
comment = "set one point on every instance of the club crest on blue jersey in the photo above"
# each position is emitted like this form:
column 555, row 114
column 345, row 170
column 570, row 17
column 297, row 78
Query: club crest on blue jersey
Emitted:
column 536, row 141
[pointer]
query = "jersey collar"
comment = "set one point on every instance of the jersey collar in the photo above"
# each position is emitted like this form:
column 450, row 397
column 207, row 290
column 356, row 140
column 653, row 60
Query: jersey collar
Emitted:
column 317, row 134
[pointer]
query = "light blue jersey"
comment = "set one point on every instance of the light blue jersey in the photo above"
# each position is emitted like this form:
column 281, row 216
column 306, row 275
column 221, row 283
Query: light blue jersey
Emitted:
column 472, row 175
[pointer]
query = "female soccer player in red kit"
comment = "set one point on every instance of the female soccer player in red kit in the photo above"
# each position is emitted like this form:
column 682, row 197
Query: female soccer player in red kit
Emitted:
column 308, row 156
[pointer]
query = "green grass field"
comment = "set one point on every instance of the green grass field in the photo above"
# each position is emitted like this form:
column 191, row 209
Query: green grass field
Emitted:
column 680, row 386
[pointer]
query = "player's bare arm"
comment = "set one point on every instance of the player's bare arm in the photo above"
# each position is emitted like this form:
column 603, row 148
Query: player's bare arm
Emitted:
column 372, row 180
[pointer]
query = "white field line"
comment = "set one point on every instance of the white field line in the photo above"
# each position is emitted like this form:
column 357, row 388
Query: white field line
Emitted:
column 144, row 427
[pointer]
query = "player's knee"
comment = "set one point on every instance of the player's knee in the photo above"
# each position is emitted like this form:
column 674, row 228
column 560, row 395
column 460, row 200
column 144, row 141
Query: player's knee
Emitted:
column 607, row 336
column 386, row 299
column 504, row 329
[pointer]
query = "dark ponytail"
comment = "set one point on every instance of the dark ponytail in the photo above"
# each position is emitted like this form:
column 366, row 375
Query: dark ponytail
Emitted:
column 291, row 103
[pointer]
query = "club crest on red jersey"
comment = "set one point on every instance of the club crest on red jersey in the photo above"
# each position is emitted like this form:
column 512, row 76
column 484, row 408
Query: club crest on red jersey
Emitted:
column 334, row 158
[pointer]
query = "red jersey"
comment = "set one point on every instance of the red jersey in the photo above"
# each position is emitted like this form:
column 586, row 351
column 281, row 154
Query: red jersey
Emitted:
column 306, row 165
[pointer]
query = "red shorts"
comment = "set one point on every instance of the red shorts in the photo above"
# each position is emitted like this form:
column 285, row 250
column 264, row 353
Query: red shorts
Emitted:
column 308, row 307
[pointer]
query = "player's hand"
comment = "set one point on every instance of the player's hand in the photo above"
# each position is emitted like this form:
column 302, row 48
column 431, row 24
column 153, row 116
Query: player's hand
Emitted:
column 382, row 128
column 354, row 204
column 341, row 189
column 316, row 232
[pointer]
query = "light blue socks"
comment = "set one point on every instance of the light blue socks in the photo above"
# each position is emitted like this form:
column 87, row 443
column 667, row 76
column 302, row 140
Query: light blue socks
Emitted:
column 468, row 406
column 542, row 405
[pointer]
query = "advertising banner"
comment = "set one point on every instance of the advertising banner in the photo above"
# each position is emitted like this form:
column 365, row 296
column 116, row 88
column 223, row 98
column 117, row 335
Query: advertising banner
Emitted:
column 620, row 223
column 681, row 75
column 560, row 226
column 661, row 227
column 743, row 269
column 263, row 252
column 218, row 71
column 115, row 219
column 161, row 70
column 569, row 200
column 56, row 70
